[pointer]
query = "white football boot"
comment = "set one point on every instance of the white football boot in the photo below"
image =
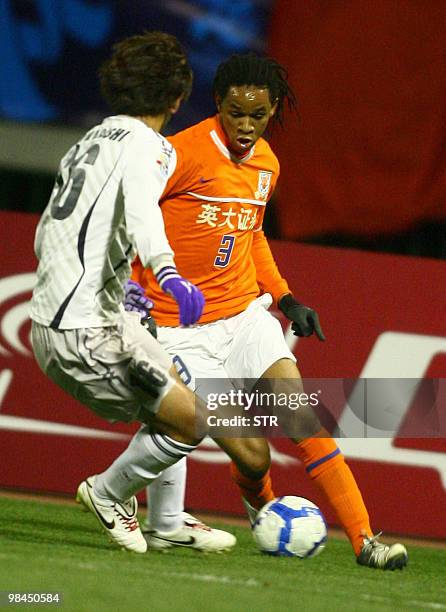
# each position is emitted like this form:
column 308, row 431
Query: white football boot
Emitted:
column 380, row 556
column 118, row 520
column 251, row 511
column 192, row 534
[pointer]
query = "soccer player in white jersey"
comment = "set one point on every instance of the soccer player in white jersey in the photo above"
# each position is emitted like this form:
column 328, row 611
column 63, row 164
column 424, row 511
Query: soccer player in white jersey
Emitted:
column 104, row 208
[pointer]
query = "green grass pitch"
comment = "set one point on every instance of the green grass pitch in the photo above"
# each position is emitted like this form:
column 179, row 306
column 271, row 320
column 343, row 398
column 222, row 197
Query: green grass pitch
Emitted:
column 47, row 547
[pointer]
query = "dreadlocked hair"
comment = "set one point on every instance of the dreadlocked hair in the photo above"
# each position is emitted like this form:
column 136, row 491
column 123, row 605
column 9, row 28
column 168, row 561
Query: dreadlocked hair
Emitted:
column 251, row 69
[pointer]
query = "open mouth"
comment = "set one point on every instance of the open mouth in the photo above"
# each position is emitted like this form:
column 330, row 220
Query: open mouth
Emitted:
column 244, row 141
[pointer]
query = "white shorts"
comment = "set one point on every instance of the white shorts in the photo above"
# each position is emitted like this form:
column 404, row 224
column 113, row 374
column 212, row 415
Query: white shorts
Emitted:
column 92, row 365
column 240, row 347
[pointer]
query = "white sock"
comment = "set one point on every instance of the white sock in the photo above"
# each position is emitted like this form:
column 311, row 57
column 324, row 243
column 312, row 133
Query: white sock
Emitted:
column 165, row 498
column 145, row 457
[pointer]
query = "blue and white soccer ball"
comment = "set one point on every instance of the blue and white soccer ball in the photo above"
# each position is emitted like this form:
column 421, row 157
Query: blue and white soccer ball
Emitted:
column 290, row 526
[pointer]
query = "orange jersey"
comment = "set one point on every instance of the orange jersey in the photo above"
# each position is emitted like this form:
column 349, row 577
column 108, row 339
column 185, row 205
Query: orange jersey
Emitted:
column 213, row 206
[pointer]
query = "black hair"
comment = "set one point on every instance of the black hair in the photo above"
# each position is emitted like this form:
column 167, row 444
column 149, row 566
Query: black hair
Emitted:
column 252, row 69
column 145, row 74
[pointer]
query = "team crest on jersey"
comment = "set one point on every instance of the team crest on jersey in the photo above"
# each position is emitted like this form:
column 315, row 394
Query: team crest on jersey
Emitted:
column 164, row 158
column 263, row 184
column 163, row 162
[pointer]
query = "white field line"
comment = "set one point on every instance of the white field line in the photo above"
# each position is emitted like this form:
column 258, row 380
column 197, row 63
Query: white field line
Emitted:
column 252, row 582
column 245, row 582
column 413, row 603
column 249, row 582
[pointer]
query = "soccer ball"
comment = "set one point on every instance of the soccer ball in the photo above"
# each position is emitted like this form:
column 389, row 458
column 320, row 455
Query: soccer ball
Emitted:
column 290, row 526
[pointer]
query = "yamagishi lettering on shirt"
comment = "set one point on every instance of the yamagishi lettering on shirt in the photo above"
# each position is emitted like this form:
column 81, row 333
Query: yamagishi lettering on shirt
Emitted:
column 103, row 209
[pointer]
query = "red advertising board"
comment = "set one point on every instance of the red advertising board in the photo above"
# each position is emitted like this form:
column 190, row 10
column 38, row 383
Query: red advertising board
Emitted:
column 367, row 154
column 383, row 319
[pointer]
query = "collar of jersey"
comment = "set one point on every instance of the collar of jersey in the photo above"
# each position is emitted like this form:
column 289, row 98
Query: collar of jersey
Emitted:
column 135, row 120
column 217, row 136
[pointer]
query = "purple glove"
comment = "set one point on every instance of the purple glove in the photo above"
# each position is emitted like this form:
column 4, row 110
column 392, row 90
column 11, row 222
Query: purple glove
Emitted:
column 136, row 300
column 189, row 298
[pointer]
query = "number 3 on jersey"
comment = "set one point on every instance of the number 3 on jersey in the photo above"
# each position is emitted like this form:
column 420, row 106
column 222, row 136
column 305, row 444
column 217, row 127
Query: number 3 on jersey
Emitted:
column 225, row 251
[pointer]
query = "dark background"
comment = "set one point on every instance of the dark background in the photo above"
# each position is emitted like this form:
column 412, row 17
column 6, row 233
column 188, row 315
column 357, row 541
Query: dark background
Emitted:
column 363, row 165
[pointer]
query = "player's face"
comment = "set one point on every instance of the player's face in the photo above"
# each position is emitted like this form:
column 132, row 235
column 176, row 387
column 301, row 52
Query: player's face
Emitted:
column 244, row 113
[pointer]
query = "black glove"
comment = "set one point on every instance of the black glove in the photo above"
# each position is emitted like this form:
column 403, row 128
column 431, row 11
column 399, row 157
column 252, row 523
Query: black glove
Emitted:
column 305, row 320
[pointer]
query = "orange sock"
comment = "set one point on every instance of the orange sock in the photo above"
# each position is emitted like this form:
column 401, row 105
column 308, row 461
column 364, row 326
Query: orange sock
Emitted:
column 256, row 492
column 326, row 466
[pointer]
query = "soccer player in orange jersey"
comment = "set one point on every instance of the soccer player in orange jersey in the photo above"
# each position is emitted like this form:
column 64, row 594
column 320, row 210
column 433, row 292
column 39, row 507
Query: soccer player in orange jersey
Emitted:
column 213, row 208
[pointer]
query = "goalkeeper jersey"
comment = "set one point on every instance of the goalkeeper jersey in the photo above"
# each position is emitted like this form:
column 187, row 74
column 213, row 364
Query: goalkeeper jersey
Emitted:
column 213, row 208
column 103, row 208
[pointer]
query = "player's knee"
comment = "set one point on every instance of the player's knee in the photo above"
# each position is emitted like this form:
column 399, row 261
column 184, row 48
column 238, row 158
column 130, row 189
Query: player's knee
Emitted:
column 146, row 376
column 177, row 416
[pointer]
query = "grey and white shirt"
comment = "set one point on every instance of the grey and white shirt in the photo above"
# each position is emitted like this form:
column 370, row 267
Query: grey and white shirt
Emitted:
column 103, row 209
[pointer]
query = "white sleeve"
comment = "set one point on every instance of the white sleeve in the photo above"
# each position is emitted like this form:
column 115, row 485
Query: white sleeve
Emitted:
column 147, row 166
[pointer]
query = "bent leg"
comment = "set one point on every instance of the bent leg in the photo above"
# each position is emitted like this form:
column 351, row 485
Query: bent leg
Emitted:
column 166, row 503
column 169, row 436
column 326, row 466
column 250, row 470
